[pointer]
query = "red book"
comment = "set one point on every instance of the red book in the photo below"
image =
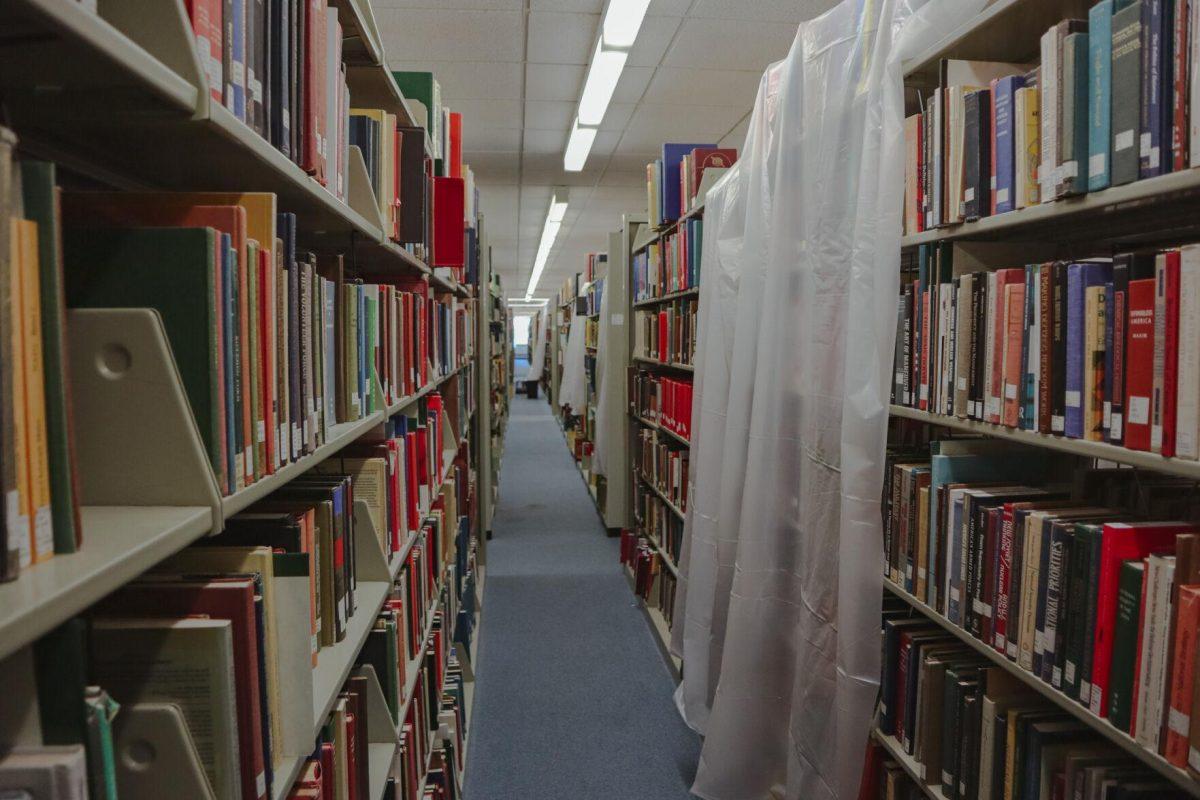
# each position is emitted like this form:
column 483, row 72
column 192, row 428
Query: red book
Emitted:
column 455, row 145
column 328, row 784
column 923, row 399
column 920, row 214
column 312, row 75
column 1137, row 660
column 352, row 744
column 308, row 784
column 1014, row 326
column 1181, row 95
column 1182, row 687
column 1003, row 580
column 1122, row 541
column 705, row 157
column 1139, row 364
column 1170, row 398
column 449, row 213
column 225, row 598
column 206, row 16
column 901, row 683
column 994, row 405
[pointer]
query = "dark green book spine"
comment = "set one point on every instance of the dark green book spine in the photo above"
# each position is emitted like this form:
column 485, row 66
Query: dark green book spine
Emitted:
column 1076, row 610
column 1089, row 630
column 1125, row 636
column 1126, row 92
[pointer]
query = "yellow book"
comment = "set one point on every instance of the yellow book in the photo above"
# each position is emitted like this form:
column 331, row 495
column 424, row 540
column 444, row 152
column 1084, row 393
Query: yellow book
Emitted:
column 17, row 508
column 1028, row 145
column 35, row 395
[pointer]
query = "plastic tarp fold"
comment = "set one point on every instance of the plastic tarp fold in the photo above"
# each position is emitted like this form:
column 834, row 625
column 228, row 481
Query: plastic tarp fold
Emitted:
column 778, row 604
column 572, row 387
column 537, row 354
column 603, row 387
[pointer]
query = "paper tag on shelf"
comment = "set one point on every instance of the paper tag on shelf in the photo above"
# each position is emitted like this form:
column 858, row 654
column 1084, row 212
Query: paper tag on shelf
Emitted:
column 1074, row 399
column 1123, row 141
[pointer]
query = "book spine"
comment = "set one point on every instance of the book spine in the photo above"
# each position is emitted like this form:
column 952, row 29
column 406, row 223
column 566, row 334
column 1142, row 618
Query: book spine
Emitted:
column 1115, row 396
column 1005, row 154
column 1158, row 404
column 1150, row 126
column 1126, row 92
column 1087, row 659
column 1074, row 352
column 1187, row 618
column 1058, row 372
column 1045, row 346
column 1129, row 604
column 1029, row 347
column 1100, row 94
column 1048, row 171
column 1187, row 408
column 1003, row 582
column 1106, row 392
column 1014, row 326
column 1193, row 90
column 1180, row 80
column 1171, row 356
column 1075, row 128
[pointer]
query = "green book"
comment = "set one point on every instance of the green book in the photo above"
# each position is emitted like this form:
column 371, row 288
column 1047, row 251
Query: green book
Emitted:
column 172, row 271
column 41, row 205
column 423, row 88
column 1125, row 639
column 60, row 658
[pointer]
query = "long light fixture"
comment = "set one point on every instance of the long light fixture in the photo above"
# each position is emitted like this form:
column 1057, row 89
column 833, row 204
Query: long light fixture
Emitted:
column 622, row 21
column 554, row 218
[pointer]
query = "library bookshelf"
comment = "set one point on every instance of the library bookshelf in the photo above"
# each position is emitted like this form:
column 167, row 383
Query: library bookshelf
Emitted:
column 132, row 110
column 1158, row 211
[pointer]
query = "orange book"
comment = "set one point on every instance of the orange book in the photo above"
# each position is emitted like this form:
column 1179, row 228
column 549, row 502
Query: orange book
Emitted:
column 1182, row 674
column 17, row 508
column 455, row 144
column 1014, row 322
column 38, row 455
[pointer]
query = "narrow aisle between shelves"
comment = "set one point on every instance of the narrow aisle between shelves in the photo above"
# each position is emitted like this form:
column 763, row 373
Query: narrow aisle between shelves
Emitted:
column 574, row 699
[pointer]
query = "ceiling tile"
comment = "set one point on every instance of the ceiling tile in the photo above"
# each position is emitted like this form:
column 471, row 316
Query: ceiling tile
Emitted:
column 709, row 87
column 632, row 84
column 494, row 167
column 554, row 115
column 544, row 141
column 617, row 116
column 555, row 81
column 474, row 5
column 584, row 6
column 561, row 38
column 470, row 80
column 486, row 114
column 670, row 8
column 794, row 11
column 652, row 41
column 477, row 139
column 729, row 44
column 432, row 34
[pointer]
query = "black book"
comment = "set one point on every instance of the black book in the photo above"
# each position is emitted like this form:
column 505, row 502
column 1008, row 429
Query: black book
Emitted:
column 1058, row 366
column 977, row 127
column 1062, row 536
column 961, row 682
column 286, row 224
column 412, row 185
column 968, row 759
column 264, row 63
column 280, row 78
column 1126, row 93
column 982, row 367
column 899, row 371
column 299, row 12
column 1067, row 655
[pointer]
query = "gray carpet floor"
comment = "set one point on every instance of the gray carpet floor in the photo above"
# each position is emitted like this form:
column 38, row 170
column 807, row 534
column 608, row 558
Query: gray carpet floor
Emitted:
column 573, row 698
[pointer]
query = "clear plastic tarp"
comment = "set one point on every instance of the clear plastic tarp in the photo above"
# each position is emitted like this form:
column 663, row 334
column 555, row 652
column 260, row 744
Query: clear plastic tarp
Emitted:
column 777, row 615
column 572, row 387
column 537, row 347
column 603, row 387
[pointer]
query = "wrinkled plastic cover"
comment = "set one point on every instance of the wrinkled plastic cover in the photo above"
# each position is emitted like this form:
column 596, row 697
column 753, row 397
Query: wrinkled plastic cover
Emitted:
column 778, row 605
column 537, row 358
column 572, row 387
column 603, row 387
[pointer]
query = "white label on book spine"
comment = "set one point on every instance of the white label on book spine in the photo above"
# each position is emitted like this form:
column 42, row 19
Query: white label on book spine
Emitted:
column 282, row 439
column 969, row 194
column 1156, row 437
column 1116, row 429
column 920, row 573
column 1069, row 671
column 992, row 184
column 1002, row 195
column 1144, row 145
column 993, row 406
column 1178, row 722
column 1085, row 692
column 249, row 462
column 256, row 88
column 946, row 777
column 1073, row 398
column 237, row 73
column 1056, row 677
column 1094, row 701
column 1107, row 413
column 1010, row 391
column 1194, row 758
column 297, row 441
column 999, row 642
column 260, row 783
column 1097, row 164
column 954, row 593
column 1123, row 141
column 1010, row 649
column 924, row 391
column 899, row 377
column 1057, row 423
column 962, row 383
column 981, row 608
column 1139, row 410
column 260, row 431
column 1039, row 642
column 1068, row 169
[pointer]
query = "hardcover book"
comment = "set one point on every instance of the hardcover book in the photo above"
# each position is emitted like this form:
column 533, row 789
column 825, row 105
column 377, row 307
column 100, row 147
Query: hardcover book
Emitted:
column 1126, row 92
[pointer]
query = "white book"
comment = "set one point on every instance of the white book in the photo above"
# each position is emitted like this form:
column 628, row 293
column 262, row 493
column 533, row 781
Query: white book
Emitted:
column 989, row 351
column 1048, row 171
column 1187, row 402
column 333, row 80
column 939, row 99
column 188, row 662
column 1160, row 573
column 962, row 352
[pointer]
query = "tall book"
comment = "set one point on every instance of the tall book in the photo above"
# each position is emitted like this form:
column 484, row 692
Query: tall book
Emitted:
column 1100, row 22
column 672, row 157
column 1139, row 360
column 1187, row 407
column 1154, row 126
column 977, row 141
column 1080, row 277
column 1006, row 155
column 1072, row 177
column 1126, row 92
column 1166, row 353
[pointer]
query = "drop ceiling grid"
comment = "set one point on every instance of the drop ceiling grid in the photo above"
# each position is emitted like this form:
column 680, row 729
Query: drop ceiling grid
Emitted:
column 515, row 68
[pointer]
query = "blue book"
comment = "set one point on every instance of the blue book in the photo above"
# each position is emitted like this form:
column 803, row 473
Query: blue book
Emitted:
column 1080, row 277
column 1025, row 416
column 672, row 156
column 228, row 314
column 1099, row 95
column 1154, row 33
column 237, row 78
column 1004, row 95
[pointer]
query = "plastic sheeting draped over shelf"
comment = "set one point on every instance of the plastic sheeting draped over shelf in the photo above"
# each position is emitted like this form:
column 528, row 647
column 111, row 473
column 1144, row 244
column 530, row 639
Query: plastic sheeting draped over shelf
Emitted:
column 537, row 356
column 777, row 615
column 572, row 387
column 603, row 387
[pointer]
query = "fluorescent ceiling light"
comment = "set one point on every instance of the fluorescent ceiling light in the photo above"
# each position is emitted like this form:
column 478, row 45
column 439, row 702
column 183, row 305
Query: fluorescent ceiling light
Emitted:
column 622, row 22
column 554, row 218
column 601, row 82
column 578, row 147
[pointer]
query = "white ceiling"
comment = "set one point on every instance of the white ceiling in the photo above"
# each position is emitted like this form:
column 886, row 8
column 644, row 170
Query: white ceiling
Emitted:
column 515, row 68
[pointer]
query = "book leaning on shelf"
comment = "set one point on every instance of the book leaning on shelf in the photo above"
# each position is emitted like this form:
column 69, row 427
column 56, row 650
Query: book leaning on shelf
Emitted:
column 1088, row 586
column 1111, row 102
column 1102, row 350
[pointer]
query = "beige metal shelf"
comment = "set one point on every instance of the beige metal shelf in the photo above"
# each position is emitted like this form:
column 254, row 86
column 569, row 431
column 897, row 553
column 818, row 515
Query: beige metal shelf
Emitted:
column 655, row 426
column 654, row 362
column 676, row 510
column 694, row 291
column 1103, row 727
column 907, row 763
column 1079, row 447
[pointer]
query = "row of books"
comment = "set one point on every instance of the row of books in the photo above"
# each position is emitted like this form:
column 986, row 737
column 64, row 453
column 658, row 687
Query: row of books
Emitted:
column 663, row 463
column 664, row 401
column 670, row 264
column 657, row 521
column 673, row 180
column 1102, row 350
column 653, row 583
column 974, row 731
column 340, row 765
column 1110, row 103
column 667, row 334
column 1036, row 571
column 287, row 346
column 884, row 778
column 593, row 295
